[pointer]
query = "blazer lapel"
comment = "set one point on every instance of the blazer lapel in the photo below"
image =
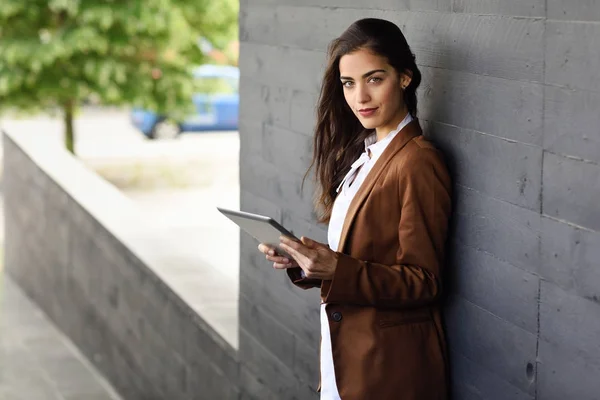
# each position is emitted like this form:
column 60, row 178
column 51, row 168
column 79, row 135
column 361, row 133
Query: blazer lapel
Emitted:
column 404, row 136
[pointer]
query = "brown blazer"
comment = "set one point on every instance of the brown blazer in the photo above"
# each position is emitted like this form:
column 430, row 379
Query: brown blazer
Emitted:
column 383, row 301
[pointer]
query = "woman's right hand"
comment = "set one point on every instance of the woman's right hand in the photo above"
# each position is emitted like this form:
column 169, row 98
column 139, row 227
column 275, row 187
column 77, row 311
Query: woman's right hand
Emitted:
column 278, row 260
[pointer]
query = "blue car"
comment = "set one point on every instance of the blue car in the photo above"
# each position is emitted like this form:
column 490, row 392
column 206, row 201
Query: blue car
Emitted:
column 214, row 111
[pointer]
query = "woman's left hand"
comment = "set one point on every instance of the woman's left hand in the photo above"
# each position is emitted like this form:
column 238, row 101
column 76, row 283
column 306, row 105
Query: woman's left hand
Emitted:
column 316, row 259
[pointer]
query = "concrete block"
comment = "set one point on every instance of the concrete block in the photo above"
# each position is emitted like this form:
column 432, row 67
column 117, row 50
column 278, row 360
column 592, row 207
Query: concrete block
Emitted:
column 34, row 276
column 302, row 227
column 277, row 377
column 254, row 388
column 495, row 285
column 304, row 112
column 289, row 151
column 574, row 10
column 465, row 100
column 187, row 348
column 265, row 103
column 267, row 180
column 92, row 268
column 259, row 24
column 426, row 5
column 253, row 108
column 302, row 320
column 507, row 231
column 19, row 251
column 510, row 48
column 107, row 352
column 571, row 121
column 146, row 344
column 472, row 382
column 306, row 392
column 278, row 66
column 498, row 167
column 560, row 312
column 272, row 292
column 142, row 305
column 128, row 322
column 56, row 225
column 30, row 214
column 311, row 28
column 437, row 5
column 306, row 362
column 251, row 146
column 561, row 375
column 268, row 103
column 208, row 384
column 271, row 333
column 530, row 8
column 197, row 338
column 450, row 41
column 253, row 203
column 484, row 339
column 570, row 257
column 572, row 57
column 571, row 190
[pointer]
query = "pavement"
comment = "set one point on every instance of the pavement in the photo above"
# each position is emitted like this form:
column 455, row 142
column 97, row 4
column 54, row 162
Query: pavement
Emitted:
column 37, row 362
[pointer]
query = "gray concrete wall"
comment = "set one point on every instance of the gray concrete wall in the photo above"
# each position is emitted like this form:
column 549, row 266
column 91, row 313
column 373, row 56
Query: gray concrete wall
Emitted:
column 156, row 323
column 511, row 94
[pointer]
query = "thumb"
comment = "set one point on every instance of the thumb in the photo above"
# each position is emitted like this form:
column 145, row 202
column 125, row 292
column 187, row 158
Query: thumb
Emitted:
column 309, row 242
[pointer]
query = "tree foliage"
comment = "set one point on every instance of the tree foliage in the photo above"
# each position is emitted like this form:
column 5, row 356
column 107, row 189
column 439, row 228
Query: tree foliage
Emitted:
column 56, row 53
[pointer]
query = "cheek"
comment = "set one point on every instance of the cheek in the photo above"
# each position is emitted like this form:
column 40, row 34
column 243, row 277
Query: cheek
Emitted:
column 348, row 98
column 390, row 96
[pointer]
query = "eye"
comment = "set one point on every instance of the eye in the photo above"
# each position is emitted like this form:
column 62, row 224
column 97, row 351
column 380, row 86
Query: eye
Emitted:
column 375, row 79
column 347, row 84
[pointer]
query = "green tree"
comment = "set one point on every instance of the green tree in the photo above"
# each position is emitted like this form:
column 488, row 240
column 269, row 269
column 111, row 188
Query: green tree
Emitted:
column 56, row 53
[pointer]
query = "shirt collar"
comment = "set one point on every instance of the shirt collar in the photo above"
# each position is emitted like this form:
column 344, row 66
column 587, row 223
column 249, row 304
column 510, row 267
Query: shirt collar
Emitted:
column 375, row 147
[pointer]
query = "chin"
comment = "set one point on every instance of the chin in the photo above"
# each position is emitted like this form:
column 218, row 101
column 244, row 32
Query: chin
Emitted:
column 368, row 124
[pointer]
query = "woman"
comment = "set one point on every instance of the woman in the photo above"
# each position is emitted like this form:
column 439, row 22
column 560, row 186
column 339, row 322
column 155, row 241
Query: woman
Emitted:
column 385, row 192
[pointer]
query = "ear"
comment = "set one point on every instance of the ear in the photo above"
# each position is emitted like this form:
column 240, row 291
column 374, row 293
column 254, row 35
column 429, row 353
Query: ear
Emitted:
column 405, row 78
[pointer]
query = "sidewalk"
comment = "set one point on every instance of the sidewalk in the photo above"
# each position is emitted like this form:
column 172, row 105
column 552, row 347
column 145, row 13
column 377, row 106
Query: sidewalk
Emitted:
column 37, row 362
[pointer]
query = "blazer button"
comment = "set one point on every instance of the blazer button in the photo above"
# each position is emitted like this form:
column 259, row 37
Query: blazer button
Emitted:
column 337, row 316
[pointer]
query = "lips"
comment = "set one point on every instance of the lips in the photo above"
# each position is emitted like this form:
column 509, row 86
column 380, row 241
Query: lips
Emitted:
column 367, row 112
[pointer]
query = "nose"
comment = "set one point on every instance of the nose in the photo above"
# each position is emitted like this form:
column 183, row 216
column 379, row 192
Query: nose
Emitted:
column 362, row 94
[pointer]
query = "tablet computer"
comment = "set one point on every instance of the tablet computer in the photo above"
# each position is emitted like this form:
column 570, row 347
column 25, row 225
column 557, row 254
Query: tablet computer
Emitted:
column 264, row 229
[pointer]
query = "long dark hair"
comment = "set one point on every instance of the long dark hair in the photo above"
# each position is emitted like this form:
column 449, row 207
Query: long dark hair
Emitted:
column 339, row 135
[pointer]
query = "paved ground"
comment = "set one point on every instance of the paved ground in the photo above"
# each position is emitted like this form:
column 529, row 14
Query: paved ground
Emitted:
column 37, row 362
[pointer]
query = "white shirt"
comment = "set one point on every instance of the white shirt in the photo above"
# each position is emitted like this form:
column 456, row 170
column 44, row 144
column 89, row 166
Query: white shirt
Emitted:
column 346, row 192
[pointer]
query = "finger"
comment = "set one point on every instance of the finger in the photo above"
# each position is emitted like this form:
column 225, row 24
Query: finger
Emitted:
column 283, row 265
column 288, row 238
column 290, row 242
column 266, row 249
column 308, row 242
column 279, row 259
column 296, row 255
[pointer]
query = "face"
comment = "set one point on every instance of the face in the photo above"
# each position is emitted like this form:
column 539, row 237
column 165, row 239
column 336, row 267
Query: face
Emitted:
column 373, row 90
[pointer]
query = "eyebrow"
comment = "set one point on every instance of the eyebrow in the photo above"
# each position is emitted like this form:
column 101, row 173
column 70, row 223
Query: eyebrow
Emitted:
column 364, row 75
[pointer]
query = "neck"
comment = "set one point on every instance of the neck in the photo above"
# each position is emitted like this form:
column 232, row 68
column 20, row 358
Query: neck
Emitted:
column 383, row 131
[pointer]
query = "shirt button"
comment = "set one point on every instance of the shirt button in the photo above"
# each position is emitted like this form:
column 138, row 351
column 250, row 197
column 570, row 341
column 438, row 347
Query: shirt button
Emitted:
column 337, row 316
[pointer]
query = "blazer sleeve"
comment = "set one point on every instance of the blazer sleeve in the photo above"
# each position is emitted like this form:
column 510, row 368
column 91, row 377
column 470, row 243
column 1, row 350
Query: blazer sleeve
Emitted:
column 425, row 198
column 297, row 278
